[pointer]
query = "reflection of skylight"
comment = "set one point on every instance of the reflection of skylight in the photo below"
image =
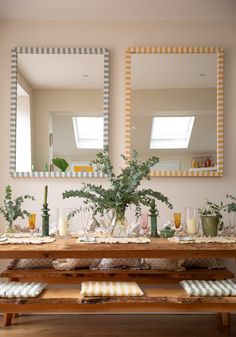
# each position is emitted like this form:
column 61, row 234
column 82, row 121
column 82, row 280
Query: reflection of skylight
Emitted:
column 88, row 132
column 171, row 132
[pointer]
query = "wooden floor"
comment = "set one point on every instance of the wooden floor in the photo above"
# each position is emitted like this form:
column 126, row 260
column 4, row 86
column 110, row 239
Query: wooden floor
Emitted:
column 118, row 326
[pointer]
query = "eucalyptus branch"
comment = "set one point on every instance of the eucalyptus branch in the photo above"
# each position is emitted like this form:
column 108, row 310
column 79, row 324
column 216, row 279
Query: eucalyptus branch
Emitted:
column 124, row 188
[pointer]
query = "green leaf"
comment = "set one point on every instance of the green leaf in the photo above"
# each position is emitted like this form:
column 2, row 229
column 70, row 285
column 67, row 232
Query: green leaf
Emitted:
column 60, row 163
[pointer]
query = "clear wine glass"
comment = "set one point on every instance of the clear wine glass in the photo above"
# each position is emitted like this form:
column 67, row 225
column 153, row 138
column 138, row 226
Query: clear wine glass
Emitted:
column 85, row 221
column 144, row 224
column 232, row 222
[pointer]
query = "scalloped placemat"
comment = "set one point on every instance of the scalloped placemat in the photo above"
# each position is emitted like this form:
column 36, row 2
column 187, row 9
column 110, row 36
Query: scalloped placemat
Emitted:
column 113, row 240
column 203, row 239
column 26, row 240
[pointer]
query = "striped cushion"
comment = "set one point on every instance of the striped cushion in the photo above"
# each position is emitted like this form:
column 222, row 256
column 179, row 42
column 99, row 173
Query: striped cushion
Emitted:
column 20, row 289
column 93, row 288
column 209, row 288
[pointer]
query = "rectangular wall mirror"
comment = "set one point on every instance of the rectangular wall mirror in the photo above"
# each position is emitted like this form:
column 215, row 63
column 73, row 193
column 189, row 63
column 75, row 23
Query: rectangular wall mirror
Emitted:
column 59, row 109
column 174, row 109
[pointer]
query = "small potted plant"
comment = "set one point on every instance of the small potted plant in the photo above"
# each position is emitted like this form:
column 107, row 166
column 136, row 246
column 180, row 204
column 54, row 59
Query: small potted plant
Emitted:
column 11, row 209
column 123, row 191
column 212, row 218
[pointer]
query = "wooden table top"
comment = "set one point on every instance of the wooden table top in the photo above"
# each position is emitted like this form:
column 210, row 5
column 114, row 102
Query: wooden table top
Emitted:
column 69, row 248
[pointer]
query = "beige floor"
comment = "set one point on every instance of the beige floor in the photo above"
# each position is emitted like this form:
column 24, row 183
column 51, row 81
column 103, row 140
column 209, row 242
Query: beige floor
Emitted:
column 118, row 326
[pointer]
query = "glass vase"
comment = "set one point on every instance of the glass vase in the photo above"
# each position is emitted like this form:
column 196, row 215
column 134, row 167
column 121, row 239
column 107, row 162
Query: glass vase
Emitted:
column 119, row 224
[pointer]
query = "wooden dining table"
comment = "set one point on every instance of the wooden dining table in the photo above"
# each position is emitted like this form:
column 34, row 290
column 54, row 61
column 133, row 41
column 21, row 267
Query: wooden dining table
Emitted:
column 157, row 248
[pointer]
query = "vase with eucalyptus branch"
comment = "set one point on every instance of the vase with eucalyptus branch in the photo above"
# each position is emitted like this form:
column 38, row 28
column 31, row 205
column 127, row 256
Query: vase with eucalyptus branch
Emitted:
column 124, row 191
column 11, row 210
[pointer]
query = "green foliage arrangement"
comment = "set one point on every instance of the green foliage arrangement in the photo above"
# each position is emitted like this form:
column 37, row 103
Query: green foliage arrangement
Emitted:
column 124, row 188
column 12, row 207
column 61, row 163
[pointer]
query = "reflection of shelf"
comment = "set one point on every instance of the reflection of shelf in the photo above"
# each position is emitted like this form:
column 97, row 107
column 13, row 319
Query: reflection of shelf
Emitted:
column 200, row 169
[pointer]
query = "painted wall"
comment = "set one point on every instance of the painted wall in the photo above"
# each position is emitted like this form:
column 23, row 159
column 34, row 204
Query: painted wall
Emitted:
column 117, row 36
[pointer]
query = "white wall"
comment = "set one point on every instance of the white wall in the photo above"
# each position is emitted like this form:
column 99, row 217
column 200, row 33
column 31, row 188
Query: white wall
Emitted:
column 117, row 37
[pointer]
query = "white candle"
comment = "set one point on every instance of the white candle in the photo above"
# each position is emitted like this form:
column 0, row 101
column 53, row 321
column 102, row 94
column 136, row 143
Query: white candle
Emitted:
column 191, row 226
column 63, row 225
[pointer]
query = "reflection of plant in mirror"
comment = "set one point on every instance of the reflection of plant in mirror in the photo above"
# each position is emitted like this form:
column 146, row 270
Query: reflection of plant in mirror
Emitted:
column 60, row 163
column 123, row 190
column 12, row 208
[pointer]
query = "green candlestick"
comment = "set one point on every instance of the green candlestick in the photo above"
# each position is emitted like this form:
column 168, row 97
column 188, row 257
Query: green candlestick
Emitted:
column 153, row 215
column 45, row 220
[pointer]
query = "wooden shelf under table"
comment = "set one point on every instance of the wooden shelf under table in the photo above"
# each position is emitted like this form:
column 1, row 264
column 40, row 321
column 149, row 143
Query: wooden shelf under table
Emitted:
column 142, row 276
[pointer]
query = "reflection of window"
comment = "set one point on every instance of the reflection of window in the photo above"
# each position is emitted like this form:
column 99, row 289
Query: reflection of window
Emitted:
column 88, row 132
column 171, row 132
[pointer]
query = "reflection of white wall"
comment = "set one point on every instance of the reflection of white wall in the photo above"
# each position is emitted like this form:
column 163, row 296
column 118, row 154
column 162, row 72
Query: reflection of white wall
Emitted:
column 198, row 102
column 24, row 125
column 23, row 135
column 64, row 144
column 72, row 101
column 173, row 99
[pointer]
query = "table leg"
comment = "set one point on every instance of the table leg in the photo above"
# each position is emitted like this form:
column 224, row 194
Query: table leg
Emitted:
column 224, row 318
column 7, row 319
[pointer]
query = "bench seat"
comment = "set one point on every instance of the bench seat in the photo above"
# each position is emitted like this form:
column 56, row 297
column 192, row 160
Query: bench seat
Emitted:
column 157, row 299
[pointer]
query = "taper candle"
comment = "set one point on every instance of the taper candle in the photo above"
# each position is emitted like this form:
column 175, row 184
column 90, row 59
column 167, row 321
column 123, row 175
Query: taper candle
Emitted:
column 45, row 194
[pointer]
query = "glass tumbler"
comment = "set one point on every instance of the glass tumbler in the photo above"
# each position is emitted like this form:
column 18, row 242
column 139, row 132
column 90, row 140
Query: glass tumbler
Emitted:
column 191, row 220
column 177, row 219
column 32, row 222
column 63, row 221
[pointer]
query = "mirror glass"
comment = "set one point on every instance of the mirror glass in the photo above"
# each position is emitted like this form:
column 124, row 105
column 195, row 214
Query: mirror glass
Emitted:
column 61, row 110
column 173, row 115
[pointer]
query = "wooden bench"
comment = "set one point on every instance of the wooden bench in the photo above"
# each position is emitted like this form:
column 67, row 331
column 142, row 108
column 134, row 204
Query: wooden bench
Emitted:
column 155, row 300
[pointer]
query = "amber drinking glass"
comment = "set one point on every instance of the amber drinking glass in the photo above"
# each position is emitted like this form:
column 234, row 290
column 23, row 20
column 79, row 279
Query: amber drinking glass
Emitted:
column 177, row 220
column 32, row 221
